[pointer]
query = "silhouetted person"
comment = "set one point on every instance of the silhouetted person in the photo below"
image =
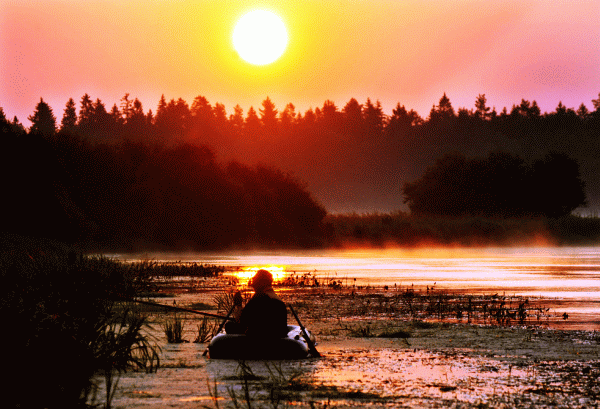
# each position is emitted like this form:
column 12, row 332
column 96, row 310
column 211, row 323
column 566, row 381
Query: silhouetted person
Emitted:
column 264, row 315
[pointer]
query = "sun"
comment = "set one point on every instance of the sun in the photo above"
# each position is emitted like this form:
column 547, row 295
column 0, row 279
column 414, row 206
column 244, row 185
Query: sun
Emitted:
column 260, row 37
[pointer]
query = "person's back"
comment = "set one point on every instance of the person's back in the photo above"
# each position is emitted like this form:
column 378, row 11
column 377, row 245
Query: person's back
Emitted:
column 265, row 317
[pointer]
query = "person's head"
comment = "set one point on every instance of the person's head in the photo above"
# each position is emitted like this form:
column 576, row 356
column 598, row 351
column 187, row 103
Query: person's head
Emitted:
column 262, row 280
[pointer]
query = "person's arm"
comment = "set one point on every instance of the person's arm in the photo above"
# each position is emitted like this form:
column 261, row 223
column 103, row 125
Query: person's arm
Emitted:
column 237, row 304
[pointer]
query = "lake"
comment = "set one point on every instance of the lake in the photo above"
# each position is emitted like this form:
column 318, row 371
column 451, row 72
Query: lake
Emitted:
column 568, row 276
column 450, row 366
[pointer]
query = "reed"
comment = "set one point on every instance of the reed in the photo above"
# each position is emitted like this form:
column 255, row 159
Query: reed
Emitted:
column 207, row 329
column 410, row 303
column 120, row 346
column 67, row 324
column 173, row 329
column 224, row 299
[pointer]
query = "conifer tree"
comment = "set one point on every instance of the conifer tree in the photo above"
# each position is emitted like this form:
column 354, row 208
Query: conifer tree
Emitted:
column 69, row 119
column 268, row 116
column 43, row 121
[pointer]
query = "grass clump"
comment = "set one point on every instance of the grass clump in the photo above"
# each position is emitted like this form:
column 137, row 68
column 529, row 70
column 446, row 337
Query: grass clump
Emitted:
column 174, row 330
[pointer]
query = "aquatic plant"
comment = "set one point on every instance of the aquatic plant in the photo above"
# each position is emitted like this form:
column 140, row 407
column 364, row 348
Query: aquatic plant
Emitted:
column 69, row 323
column 277, row 388
column 206, row 330
column 224, row 299
column 121, row 345
column 178, row 269
column 173, row 329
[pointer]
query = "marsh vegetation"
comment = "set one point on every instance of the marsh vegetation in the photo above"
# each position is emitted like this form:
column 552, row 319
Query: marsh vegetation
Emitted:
column 79, row 341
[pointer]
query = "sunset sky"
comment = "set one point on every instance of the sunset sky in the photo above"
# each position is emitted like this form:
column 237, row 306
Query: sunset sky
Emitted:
column 407, row 51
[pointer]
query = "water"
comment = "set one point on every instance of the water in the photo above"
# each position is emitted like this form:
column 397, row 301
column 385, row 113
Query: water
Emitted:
column 458, row 367
column 568, row 275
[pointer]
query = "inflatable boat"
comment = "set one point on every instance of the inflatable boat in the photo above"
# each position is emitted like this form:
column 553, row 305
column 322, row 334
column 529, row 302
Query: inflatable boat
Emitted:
column 239, row 346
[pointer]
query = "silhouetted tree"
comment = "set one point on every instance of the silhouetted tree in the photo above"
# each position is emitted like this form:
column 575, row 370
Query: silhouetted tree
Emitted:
column 17, row 127
column 441, row 190
column 268, row 117
column 583, row 112
column 101, row 122
column 202, row 120
column 481, row 108
column 136, row 121
column 374, row 118
column 353, row 119
column 499, row 186
column 443, row 112
column 401, row 121
column 557, row 188
column 528, row 109
column 220, row 119
column 252, row 124
column 237, row 121
column 43, row 121
column 5, row 127
column 69, row 119
column 86, row 113
column 172, row 120
column 330, row 116
column 596, row 103
column 287, row 118
column 126, row 107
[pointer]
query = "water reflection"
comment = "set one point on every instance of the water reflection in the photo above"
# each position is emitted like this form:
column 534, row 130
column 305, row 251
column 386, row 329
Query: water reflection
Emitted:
column 570, row 273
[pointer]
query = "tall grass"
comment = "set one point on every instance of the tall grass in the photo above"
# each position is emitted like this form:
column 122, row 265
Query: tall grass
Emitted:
column 207, row 329
column 174, row 330
column 120, row 345
column 61, row 325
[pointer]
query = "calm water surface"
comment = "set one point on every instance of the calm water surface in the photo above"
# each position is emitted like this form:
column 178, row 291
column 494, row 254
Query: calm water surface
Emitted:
column 568, row 274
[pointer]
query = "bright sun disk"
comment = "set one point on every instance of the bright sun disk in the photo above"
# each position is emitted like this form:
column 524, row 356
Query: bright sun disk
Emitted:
column 260, row 37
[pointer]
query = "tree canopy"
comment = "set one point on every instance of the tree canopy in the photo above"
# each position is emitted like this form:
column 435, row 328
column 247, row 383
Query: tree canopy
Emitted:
column 501, row 185
column 118, row 173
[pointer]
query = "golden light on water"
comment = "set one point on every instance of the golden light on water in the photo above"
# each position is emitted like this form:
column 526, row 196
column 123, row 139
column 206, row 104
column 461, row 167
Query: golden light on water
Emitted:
column 246, row 273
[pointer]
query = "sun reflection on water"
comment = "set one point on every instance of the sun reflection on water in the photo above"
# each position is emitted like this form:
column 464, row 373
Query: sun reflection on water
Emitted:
column 246, row 273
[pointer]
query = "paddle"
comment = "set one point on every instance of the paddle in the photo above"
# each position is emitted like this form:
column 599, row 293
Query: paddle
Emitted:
column 311, row 346
column 172, row 307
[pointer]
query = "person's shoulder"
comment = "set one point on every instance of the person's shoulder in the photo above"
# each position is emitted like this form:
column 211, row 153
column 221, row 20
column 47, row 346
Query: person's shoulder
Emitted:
column 277, row 302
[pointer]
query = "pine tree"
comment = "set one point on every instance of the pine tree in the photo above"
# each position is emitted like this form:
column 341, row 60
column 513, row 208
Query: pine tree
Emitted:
column 252, row 124
column 373, row 117
column 43, row 121
column 69, row 119
column 86, row 113
column 481, row 108
column 268, row 116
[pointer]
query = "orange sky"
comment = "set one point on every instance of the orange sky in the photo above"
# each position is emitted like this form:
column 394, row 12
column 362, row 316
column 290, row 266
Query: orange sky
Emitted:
column 393, row 51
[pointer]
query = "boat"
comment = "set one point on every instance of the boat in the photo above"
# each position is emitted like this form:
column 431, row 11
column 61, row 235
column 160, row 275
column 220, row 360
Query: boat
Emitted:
column 243, row 347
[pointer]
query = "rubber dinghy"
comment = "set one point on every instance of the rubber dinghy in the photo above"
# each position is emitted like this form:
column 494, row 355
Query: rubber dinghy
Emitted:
column 239, row 346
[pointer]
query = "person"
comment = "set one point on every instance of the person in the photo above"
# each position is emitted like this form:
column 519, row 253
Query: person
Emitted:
column 264, row 315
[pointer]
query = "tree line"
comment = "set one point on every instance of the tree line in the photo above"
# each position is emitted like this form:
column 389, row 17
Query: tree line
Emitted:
column 132, row 195
column 198, row 176
column 357, row 145
column 178, row 121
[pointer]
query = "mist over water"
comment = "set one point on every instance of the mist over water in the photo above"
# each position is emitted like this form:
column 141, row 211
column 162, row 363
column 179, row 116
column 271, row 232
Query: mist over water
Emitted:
column 570, row 275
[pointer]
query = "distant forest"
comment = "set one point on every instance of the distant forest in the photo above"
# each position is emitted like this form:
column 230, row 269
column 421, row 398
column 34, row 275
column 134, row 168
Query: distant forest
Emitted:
column 194, row 176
